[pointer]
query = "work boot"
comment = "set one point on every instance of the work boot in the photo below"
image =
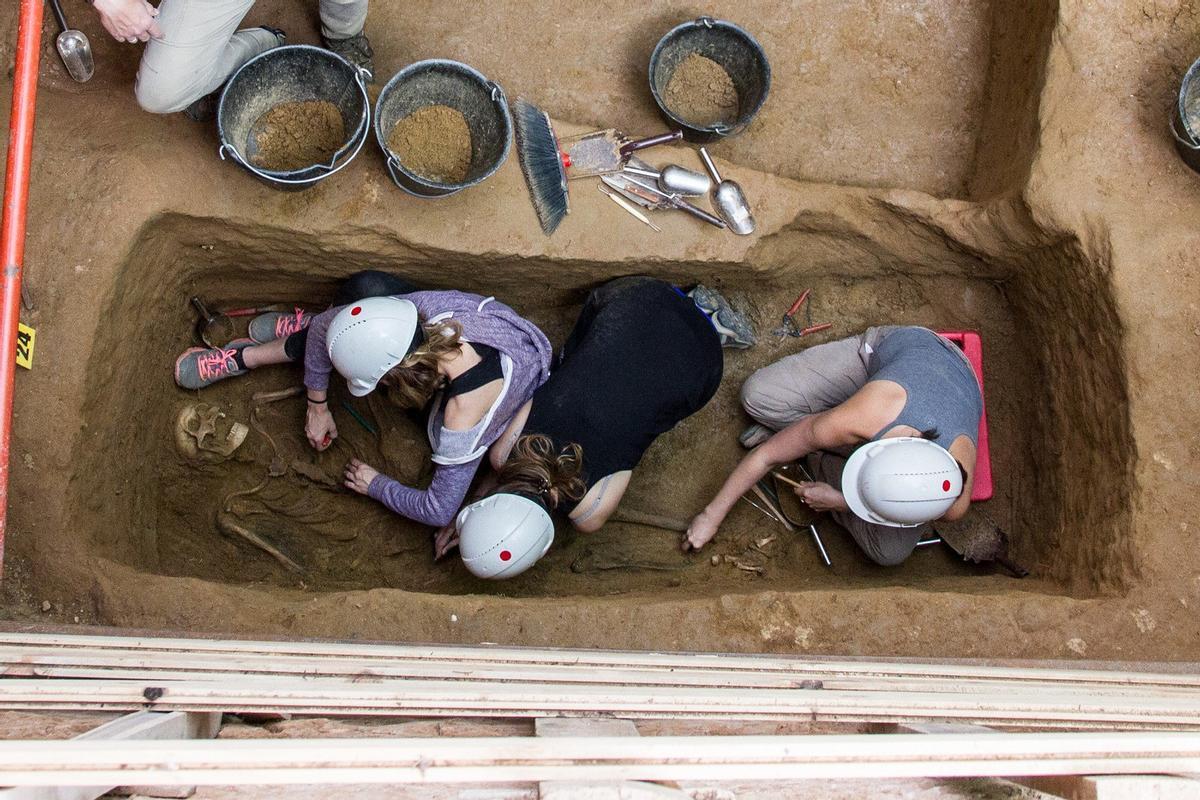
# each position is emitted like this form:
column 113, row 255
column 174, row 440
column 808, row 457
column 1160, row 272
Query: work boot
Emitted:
column 355, row 49
column 205, row 108
column 733, row 326
column 203, row 366
column 276, row 325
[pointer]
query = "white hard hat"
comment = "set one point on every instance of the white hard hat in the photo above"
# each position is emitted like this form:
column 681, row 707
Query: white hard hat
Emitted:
column 369, row 337
column 901, row 482
column 503, row 535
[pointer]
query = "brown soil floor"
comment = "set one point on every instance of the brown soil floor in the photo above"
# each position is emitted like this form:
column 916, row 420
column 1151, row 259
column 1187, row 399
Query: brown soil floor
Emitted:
column 997, row 166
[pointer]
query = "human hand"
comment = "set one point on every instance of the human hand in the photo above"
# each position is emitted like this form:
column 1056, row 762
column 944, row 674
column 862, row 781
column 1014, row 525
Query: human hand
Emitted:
column 359, row 476
column 445, row 540
column 129, row 20
column 820, row 496
column 703, row 528
column 319, row 426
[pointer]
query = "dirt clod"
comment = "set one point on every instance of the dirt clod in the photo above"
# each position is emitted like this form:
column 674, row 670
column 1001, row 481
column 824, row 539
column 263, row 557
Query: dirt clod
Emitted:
column 433, row 142
column 293, row 136
column 701, row 92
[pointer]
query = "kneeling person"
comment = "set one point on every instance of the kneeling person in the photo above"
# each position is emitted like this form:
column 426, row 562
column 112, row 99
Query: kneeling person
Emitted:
column 888, row 421
column 642, row 357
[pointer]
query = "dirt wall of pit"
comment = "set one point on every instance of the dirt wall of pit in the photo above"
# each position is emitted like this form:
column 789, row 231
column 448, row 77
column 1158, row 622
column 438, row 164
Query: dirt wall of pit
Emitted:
column 1081, row 224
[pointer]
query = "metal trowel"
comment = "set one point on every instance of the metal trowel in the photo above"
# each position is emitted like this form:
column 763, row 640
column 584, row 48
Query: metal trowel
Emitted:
column 73, row 47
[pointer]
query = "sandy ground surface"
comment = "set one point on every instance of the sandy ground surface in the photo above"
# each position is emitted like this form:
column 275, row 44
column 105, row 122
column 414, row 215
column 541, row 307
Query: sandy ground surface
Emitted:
column 1074, row 252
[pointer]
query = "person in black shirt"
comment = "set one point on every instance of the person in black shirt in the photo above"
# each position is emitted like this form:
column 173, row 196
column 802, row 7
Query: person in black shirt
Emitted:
column 642, row 357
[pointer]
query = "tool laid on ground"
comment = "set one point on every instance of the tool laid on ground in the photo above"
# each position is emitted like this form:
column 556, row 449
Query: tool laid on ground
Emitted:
column 549, row 163
column 609, row 150
column 545, row 175
column 73, row 47
column 628, row 206
column 977, row 538
column 729, row 200
column 666, row 200
column 360, row 419
column 790, row 328
column 812, row 527
column 214, row 326
column 674, row 178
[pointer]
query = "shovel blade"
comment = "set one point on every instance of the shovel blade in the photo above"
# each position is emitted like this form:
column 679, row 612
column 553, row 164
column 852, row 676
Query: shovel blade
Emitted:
column 76, row 53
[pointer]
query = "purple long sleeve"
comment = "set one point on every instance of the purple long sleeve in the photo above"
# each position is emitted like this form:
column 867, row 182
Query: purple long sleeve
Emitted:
column 317, row 365
column 435, row 505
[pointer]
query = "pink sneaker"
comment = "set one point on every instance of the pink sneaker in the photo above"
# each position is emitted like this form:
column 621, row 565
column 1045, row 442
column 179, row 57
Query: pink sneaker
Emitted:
column 276, row 325
column 203, row 366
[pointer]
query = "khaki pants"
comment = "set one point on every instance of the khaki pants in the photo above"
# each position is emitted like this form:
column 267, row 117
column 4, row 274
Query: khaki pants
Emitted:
column 201, row 47
column 813, row 381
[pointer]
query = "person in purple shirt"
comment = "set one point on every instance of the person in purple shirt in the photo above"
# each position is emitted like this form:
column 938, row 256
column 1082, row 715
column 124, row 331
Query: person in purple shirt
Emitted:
column 480, row 359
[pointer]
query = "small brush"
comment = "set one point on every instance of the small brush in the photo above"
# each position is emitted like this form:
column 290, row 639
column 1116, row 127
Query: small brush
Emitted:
column 537, row 149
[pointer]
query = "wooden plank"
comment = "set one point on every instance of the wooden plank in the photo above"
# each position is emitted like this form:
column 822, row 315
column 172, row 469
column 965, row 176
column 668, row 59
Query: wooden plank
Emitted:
column 598, row 790
column 583, row 726
column 1114, row 787
column 1082, row 787
column 493, row 654
column 141, row 725
column 472, row 698
column 491, row 760
column 151, row 666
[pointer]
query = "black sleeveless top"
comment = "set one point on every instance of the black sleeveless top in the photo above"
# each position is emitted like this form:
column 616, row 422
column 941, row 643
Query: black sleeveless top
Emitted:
column 641, row 359
column 483, row 373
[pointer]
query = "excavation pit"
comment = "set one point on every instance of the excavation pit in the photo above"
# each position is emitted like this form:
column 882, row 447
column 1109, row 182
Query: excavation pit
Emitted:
column 142, row 504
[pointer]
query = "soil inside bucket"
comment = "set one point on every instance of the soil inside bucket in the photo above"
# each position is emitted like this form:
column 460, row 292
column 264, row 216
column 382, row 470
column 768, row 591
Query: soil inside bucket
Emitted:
column 701, row 92
column 296, row 135
column 434, row 143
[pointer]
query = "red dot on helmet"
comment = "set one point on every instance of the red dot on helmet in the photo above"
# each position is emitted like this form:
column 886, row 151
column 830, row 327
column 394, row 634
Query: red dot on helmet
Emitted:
column 945, row 486
column 354, row 312
column 505, row 555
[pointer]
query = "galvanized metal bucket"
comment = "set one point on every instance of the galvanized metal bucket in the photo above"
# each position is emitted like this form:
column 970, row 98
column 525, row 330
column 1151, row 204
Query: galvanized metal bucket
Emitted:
column 730, row 46
column 293, row 73
column 1185, row 121
column 454, row 84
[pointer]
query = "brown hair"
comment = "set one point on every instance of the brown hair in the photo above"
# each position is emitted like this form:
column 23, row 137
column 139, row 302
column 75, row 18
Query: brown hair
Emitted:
column 413, row 381
column 535, row 467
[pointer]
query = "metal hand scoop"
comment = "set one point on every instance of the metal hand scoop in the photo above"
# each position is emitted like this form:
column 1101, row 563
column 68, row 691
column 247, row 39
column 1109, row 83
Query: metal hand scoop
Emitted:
column 729, row 200
column 73, row 47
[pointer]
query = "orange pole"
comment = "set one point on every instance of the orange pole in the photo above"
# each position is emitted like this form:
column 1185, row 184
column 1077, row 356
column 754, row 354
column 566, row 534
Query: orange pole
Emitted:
column 12, row 230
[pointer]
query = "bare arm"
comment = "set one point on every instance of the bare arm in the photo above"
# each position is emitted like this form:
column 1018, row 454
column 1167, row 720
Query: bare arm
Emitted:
column 964, row 450
column 847, row 425
column 498, row 452
column 590, row 514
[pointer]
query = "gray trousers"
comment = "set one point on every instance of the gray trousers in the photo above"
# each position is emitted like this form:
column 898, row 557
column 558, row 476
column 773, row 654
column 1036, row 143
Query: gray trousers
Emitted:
column 816, row 380
column 201, row 47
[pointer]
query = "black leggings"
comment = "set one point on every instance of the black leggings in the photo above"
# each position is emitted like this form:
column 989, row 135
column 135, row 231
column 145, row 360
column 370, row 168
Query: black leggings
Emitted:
column 360, row 285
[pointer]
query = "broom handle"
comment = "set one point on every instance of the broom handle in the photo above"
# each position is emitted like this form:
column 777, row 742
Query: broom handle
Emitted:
column 650, row 141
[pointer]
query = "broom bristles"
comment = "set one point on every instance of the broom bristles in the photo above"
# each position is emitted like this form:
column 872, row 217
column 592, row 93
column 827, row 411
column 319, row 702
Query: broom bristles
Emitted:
column 537, row 150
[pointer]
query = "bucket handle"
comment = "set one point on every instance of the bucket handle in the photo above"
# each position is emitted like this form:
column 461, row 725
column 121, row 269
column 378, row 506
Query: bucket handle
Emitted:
column 361, row 75
column 1188, row 142
column 497, row 93
column 705, row 21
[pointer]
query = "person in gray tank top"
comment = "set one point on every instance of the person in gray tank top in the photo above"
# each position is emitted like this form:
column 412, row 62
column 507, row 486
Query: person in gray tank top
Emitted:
column 827, row 402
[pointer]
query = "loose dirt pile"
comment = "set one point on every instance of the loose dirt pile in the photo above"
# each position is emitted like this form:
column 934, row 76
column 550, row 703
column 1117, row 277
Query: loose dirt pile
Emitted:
column 296, row 135
column 701, row 92
column 433, row 142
